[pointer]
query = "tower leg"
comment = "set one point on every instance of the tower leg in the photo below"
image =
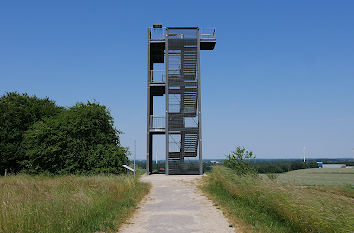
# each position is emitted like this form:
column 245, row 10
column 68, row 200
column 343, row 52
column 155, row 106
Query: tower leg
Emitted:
column 199, row 107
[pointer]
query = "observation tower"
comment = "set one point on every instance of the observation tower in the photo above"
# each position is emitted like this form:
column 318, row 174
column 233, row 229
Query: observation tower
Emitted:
column 174, row 74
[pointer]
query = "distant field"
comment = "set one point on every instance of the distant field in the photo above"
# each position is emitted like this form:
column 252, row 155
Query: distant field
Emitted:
column 319, row 176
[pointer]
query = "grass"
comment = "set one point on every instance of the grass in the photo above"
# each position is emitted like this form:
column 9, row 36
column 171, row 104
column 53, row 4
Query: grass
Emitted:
column 319, row 176
column 262, row 205
column 67, row 203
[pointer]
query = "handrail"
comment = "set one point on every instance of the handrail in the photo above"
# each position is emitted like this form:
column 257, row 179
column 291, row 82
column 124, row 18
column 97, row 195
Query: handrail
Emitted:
column 157, row 76
column 158, row 34
column 207, row 33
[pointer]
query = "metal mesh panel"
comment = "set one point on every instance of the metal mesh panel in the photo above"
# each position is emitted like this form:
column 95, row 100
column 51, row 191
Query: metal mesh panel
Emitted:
column 182, row 78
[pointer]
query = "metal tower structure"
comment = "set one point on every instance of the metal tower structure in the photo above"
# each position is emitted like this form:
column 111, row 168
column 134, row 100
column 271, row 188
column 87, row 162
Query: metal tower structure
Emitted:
column 174, row 73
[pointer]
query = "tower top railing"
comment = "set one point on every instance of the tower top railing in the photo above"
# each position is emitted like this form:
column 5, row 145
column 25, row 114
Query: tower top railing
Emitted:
column 159, row 34
column 207, row 33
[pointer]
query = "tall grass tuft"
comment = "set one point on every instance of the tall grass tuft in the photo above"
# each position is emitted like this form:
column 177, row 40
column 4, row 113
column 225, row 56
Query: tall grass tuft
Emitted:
column 282, row 208
column 67, row 203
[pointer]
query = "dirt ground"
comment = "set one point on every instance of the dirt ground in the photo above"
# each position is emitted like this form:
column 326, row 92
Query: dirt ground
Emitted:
column 176, row 205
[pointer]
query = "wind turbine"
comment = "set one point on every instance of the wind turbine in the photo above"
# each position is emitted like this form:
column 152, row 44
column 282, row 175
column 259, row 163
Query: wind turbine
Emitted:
column 304, row 154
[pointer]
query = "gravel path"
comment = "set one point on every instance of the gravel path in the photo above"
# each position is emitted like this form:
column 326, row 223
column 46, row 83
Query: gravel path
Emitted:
column 175, row 205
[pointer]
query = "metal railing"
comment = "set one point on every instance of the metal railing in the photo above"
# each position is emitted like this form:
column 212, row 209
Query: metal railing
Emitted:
column 157, row 122
column 157, row 33
column 157, row 76
column 206, row 33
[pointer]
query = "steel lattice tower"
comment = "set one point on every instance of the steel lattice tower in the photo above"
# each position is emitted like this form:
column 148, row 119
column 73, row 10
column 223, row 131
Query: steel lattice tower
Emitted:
column 178, row 49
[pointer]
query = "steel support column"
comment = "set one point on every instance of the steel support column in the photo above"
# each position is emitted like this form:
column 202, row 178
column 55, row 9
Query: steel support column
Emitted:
column 199, row 107
column 148, row 168
column 166, row 94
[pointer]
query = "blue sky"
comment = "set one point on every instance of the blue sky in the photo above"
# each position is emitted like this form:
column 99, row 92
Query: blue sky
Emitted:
column 280, row 78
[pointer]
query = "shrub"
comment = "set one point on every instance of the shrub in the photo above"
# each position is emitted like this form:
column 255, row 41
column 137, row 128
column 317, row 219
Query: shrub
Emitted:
column 239, row 160
column 17, row 113
column 80, row 140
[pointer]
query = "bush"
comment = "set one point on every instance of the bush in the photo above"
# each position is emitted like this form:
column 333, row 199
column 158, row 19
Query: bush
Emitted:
column 80, row 140
column 239, row 160
column 17, row 113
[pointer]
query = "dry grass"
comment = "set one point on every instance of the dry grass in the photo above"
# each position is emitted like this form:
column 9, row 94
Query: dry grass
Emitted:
column 274, row 207
column 67, row 203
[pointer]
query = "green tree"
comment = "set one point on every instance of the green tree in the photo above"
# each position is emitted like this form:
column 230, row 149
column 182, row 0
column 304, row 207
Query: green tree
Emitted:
column 239, row 160
column 79, row 140
column 17, row 113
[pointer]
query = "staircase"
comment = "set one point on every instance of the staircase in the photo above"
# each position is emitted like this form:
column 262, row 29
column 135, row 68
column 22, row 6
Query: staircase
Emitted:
column 183, row 82
column 190, row 144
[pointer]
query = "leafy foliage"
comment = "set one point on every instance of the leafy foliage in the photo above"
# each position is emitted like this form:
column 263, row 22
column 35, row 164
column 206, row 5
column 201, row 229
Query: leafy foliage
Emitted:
column 80, row 140
column 17, row 113
column 239, row 160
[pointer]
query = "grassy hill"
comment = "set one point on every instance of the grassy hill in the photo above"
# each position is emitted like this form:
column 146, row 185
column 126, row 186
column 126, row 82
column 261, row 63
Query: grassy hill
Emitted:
column 67, row 203
column 260, row 204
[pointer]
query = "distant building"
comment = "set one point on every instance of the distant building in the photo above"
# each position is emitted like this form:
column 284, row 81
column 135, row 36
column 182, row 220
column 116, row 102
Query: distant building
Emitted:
column 334, row 166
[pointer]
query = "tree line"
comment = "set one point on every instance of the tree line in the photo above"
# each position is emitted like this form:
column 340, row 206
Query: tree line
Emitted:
column 280, row 167
column 243, row 163
column 38, row 136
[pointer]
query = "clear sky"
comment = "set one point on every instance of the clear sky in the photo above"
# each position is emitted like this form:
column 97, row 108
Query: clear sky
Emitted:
column 281, row 76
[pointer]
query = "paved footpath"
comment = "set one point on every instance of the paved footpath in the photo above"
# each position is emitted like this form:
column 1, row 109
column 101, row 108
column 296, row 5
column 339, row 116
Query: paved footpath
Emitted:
column 175, row 205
